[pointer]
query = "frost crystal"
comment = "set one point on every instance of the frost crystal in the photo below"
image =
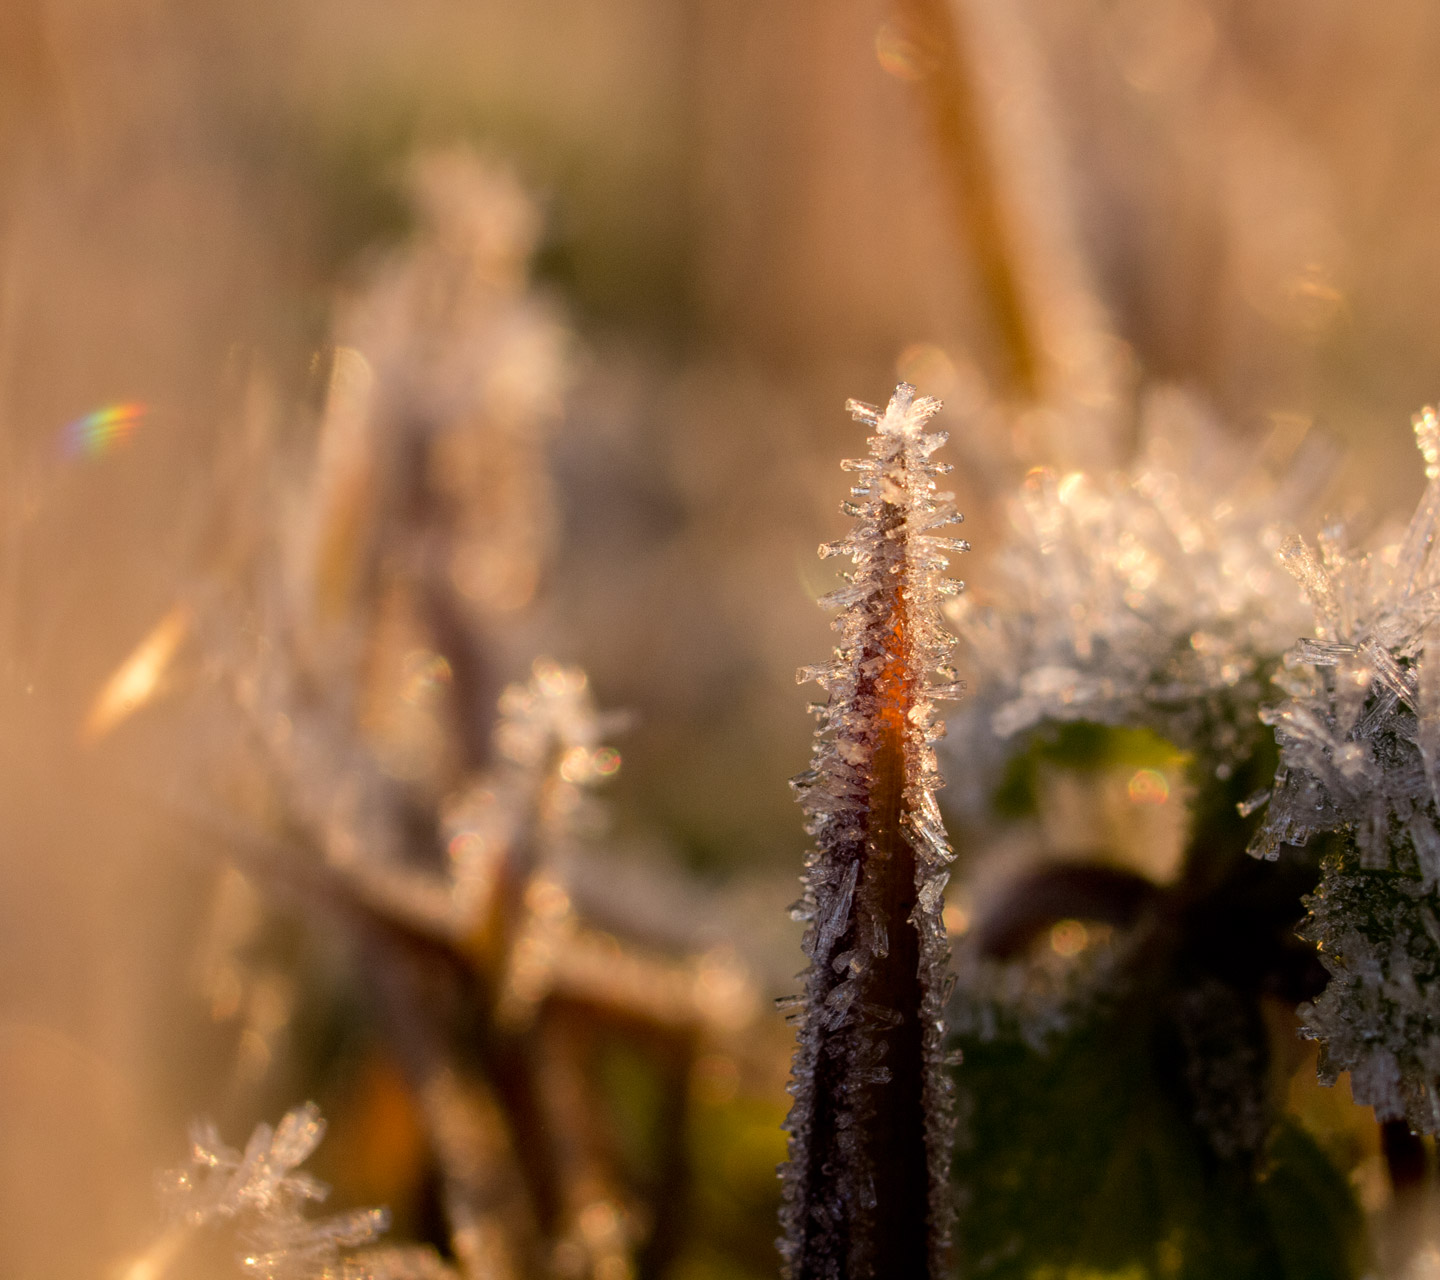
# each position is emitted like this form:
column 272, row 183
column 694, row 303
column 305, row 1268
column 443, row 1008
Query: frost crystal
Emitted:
column 1147, row 599
column 1359, row 737
column 866, row 1184
column 261, row 1194
column 1359, row 729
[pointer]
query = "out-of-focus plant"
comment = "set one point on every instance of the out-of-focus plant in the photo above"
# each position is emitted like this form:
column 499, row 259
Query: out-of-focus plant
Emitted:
column 383, row 609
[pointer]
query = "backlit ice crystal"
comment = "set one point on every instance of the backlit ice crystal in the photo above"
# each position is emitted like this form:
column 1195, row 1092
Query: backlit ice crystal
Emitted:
column 260, row 1193
column 1359, row 737
column 1150, row 598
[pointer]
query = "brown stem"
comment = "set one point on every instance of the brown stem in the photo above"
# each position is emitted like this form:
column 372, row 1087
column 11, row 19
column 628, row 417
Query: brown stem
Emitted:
column 895, row 1142
column 867, row 1173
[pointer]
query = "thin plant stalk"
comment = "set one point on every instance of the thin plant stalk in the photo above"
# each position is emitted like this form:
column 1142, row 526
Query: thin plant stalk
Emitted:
column 865, row 1186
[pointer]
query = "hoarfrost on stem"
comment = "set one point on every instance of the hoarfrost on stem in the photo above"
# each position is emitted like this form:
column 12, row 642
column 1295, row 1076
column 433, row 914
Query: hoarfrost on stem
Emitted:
column 867, row 1179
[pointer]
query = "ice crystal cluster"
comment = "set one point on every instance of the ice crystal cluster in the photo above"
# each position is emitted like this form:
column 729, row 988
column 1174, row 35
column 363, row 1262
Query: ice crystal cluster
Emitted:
column 1149, row 598
column 261, row 1193
column 1360, row 724
column 522, row 817
column 1359, row 736
column 870, row 1097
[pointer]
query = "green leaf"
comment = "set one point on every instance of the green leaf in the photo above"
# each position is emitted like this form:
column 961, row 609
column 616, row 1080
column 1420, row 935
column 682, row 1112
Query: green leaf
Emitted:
column 1084, row 1161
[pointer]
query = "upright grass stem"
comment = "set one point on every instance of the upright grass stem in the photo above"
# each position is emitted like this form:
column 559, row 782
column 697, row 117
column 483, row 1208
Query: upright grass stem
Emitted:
column 865, row 1184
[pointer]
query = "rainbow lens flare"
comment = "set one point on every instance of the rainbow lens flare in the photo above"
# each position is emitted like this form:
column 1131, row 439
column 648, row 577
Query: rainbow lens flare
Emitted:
column 99, row 432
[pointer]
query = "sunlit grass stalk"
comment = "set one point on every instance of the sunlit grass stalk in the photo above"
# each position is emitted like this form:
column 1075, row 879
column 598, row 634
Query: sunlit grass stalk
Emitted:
column 865, row 1186
column 951, row 97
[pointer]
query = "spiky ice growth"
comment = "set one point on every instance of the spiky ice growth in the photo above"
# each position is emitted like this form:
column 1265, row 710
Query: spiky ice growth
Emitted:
column 262, row 1195
column 866, row 1182
column 1359, row 728
column 1359, row 737
column 1147, row 598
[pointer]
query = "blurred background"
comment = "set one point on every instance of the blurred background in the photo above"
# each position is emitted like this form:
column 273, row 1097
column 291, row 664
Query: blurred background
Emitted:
column 705, row 225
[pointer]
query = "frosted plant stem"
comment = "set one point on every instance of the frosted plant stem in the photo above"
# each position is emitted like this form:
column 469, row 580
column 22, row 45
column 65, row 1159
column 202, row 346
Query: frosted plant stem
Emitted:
column 866, row 1183
column 895, row 1144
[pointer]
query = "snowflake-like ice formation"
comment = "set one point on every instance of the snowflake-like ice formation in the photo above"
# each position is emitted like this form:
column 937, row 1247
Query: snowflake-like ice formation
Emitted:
column 260, row 1192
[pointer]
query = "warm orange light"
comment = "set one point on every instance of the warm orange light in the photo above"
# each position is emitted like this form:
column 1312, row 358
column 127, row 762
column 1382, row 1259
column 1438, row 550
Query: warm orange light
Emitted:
column 137, row 680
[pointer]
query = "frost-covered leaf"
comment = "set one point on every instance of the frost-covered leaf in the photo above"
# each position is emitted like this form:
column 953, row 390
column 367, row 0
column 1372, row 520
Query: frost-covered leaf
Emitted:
column 1359, row 737
column 1359, row 727
column 1149, row 599
column 1379, row 1017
